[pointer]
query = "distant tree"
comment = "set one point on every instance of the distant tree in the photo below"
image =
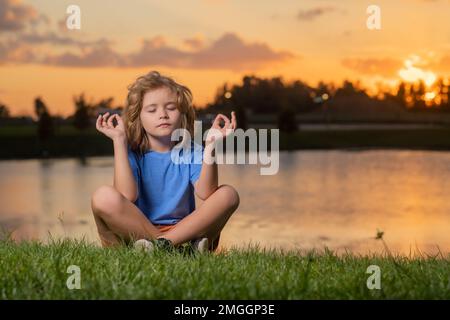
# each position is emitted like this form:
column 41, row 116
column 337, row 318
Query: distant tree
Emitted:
column 268, row 94
column 287, row 121
column 4, row 111
column 103, row 104
column 262, row 96
column 46, row 127
column 298, row 96
column 241, row 100
column 442, row 89
column 82, row 110
column 417, row 94
column 323, row 88
column 241, row 116
column 401, row 96
column 447, row 95
column 233, row 99
column 348, row 89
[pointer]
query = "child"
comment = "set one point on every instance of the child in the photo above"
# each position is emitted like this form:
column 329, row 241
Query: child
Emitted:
column 152, row 198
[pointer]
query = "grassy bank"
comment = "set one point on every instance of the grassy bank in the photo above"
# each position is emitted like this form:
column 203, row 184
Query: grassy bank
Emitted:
column 70, row 143
column 31, row 270
column 423, row 139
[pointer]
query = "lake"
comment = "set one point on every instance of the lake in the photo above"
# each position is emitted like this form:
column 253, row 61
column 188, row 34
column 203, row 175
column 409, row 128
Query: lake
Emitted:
column 333, row 198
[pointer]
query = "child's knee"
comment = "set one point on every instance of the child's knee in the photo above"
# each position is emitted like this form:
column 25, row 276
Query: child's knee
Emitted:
column 106, row 200
column 230, row 195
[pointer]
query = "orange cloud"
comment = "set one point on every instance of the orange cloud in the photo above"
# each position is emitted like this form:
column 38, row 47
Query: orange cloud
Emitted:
column 372, row 66
column 15, row 16
column 444, row 64
column 311, row 14
column 97, row 56
column 194, row 43
column 12, row 51
column 228, row 52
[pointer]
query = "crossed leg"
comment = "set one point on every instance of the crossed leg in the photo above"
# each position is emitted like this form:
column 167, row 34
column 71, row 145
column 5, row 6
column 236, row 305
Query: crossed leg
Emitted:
column 208, row 219
column 118, row 219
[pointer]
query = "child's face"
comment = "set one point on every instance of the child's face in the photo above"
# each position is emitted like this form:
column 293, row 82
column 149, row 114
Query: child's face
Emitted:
column 160, row 106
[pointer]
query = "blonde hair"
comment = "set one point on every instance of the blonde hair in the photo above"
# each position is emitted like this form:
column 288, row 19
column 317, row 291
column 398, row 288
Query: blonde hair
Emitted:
column 136, row 136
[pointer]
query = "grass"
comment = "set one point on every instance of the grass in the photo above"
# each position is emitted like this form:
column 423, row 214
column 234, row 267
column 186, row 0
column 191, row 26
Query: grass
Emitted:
column 34, row 270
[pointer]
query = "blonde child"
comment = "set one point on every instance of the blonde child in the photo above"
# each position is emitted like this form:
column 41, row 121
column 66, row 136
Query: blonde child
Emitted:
column 152, row 198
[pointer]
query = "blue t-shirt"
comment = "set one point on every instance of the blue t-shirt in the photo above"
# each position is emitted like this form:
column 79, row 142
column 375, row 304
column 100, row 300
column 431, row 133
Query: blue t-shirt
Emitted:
column 165, row 182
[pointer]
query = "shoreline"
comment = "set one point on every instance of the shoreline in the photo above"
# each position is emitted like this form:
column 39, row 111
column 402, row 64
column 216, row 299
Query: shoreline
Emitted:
column 68, row 143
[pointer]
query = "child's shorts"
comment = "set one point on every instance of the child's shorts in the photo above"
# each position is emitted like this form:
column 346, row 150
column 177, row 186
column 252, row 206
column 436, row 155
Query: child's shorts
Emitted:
column 167, row 227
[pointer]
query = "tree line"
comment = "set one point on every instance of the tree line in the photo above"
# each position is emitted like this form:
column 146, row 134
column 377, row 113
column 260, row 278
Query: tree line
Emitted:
column 258, row 96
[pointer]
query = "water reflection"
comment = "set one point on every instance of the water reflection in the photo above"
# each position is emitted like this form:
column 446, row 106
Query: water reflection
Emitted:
column 333, row 198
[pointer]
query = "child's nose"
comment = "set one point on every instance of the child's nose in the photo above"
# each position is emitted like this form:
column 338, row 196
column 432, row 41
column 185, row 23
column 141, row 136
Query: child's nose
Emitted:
column 163, row 113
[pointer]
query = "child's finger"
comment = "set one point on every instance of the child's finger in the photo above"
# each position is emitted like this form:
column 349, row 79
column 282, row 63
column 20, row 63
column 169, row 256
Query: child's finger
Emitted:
column 98, row 122
column 216, row 121
column 119, row 122
column 104, row 117
column 233, row 120
column 110, row 122
column 101, row 124
column 225, row 118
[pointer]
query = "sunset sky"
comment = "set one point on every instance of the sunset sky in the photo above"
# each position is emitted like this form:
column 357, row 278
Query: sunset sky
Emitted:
column 204, row 43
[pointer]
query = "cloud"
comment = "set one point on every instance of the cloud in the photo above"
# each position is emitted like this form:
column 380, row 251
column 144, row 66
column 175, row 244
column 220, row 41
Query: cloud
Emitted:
column 415, row 65
column 155, row 51
column 23, row 20
column 439, row 63
column 444, row 63
column 98, row 56
column 15, row 16
column 311, row 14
column 12, row 51
column 228, row 52
column 24, row 48
column 195, row 43
column 373, row 66
column 53, row 38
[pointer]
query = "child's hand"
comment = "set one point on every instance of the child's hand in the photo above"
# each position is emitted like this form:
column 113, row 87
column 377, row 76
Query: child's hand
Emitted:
column 217, row 132
column 105, row 126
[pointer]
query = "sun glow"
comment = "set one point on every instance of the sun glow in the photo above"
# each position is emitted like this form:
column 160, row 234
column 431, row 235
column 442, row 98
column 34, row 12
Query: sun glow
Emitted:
column 412, row 73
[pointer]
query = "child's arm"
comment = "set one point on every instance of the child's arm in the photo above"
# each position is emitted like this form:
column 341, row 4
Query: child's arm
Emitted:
column 208, row 181
column 124, row 180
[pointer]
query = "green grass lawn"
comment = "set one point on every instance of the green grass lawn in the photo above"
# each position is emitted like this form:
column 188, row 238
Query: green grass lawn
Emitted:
column 32, row 270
